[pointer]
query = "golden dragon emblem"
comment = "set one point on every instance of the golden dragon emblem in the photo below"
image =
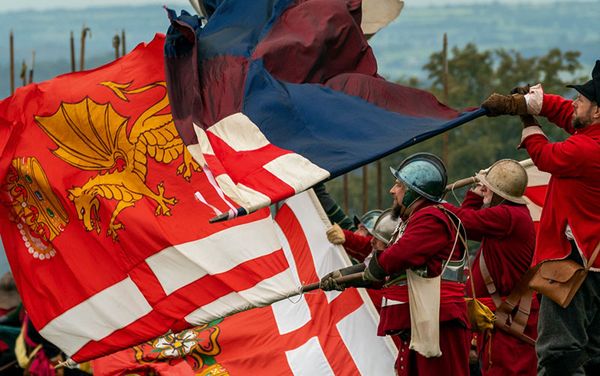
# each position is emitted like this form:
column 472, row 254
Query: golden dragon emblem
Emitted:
column 93, row 136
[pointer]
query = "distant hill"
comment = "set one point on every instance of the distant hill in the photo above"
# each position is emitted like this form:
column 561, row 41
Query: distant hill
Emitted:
column 401, row 49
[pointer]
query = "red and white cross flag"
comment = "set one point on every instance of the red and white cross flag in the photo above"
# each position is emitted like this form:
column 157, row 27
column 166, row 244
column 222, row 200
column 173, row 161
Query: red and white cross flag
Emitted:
column 318, row 333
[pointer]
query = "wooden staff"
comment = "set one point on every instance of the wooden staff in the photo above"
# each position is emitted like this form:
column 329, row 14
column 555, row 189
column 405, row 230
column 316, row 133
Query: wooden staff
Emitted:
column 23, row 74
column 379, row 185
column 72, row 43
column 32, row 66
column 345, row 192
column 123, row 48
column 84, row 32
column 472, row 179
column 445, row 136
column 341, row 280
column 116, row 43
column 12, row 62
column 365, row 187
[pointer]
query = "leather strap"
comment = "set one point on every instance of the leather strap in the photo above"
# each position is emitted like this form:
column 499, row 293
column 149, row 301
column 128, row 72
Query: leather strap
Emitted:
column 487, row 279
column 593, row 258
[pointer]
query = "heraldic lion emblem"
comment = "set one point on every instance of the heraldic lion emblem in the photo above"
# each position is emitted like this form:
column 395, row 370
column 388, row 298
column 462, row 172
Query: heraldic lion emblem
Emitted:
column 93, row 136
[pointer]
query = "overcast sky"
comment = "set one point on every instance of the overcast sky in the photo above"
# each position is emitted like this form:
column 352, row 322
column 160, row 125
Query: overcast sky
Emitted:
column 8, row 6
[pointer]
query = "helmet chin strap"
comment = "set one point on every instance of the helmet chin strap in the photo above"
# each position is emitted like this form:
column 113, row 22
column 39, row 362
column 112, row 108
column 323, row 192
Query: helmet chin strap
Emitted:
column 405, row 208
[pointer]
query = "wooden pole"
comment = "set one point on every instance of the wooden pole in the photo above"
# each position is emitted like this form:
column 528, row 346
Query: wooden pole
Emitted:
column 32, row 66
column 379, row 186
column 12, row 62
column 445, row 137
column 84, row 33
column 23, row 74
column 72, row 42
column 123, row 48
column 365, row 203
column 116, row 43
column 345, row 193
column 526, row 163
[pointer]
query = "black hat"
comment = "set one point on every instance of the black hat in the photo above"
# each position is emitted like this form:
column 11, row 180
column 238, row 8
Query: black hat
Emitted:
column 591, row 89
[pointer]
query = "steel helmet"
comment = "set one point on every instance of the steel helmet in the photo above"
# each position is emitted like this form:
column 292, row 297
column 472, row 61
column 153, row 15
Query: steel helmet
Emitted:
column 385, row 226
column 424, row 175
column 368, row 219
column 506, row 178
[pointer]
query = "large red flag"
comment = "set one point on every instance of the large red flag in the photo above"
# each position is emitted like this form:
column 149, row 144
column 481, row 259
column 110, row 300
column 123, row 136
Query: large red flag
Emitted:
column 104, row 214
column 316, row 334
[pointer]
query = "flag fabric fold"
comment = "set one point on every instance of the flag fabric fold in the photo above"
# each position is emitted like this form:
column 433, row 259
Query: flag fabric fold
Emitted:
column 104, row 214
column 273, row 96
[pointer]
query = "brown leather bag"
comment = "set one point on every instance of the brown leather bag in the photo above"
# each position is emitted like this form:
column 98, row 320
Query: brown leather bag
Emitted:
column 559, row 280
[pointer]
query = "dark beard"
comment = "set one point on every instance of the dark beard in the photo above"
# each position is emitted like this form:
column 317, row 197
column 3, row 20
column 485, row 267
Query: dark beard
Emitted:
column 396, row 211
column 579, row 124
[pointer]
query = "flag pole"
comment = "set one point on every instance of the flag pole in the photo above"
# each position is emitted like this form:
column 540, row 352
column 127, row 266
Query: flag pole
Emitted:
column 472, row 179
column 340, row 280
column 72, row 43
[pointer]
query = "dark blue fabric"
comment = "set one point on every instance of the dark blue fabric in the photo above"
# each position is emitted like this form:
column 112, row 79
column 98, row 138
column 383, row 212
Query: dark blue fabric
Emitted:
column 312, row 120
column 236, row 27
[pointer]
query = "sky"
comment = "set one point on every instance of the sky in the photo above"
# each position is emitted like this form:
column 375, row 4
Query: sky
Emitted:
column 8, row 5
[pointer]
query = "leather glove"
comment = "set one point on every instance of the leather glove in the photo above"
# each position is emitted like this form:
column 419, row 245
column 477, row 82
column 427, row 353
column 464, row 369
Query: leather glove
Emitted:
column 335, row 234
column 529, row 121
column 329, row 282
column 498, row 104
column 520, row 89
column 374, row 272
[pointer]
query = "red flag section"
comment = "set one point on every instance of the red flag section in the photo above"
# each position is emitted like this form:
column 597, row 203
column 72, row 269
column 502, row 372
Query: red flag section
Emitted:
column 104, row 214
column 318, row 333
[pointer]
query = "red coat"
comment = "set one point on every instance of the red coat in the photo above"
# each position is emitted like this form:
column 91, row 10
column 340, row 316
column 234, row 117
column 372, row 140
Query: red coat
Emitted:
column 427, row 241
column 507, row 239
column 574, row 190
column 357, row 246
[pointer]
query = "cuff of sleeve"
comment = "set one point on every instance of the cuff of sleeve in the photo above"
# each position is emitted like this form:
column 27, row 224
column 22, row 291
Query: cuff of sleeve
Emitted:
column 530, row 131
column 535, row 99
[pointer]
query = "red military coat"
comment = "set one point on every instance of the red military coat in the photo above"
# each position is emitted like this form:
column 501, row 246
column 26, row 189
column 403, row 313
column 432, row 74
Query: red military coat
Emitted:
column 573, row 196
column 427, row 241
column 357, row 246
column 507, row 239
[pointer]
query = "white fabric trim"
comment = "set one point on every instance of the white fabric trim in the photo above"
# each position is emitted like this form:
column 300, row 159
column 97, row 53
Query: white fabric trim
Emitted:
column 535, row 99
column 180, row 265
column 385, row 302
column 530, row 131
column 97, row 317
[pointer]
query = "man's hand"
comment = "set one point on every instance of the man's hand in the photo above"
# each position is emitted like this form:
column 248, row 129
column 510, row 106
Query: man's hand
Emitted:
column 498, row 104
column 529, row 121
column 520, row 89
column 335, row 234
column 374, row 272
column 329, row 282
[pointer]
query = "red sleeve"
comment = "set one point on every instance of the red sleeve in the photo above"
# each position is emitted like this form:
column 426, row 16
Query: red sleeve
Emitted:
column 357, row 246
column 494, row 222
column 563, row 159
column 424, row 237
column 471, row 201
column 559, row 111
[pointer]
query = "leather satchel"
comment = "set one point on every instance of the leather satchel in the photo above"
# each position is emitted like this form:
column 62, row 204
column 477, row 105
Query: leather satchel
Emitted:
column 559, row 280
